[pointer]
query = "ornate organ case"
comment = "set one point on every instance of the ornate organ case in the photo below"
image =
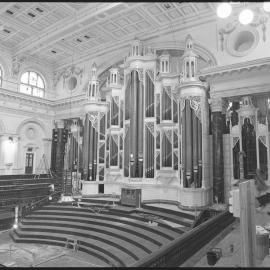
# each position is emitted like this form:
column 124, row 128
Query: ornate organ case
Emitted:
column 139, row 132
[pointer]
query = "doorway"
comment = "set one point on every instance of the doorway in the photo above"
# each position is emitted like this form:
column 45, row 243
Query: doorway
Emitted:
column 29, row 161
column 101, row 188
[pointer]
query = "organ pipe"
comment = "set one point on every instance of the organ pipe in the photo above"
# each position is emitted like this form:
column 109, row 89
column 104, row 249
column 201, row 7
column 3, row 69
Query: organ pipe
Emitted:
column 133, row 121
column 126, row 152
column 158, row 109
column 195, row 148
column 94, row 159
column 184, row 146
column 149, row 103
column 140, row 111
column 127, row 98
column 90, row 161
column 188, row 143
column 86, row 146
column 199, row 128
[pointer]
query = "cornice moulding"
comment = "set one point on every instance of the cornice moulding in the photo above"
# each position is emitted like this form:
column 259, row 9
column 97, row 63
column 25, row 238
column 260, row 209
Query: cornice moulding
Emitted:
column 211, row 72
column 240, row 91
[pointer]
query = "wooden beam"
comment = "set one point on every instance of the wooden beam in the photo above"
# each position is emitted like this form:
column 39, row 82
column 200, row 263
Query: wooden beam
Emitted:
column 247, row 223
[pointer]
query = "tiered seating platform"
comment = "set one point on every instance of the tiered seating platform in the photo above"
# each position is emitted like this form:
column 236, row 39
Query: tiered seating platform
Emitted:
column 114, row 234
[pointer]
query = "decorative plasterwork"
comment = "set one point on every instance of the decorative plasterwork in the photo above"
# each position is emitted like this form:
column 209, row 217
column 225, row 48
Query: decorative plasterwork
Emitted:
column 67, row 73
column 17, row 64
column 231, row 27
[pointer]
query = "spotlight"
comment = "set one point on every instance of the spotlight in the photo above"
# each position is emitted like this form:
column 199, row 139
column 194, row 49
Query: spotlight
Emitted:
column 246, row 16
column 50, row 198
column 15, row 226
column 224, row 10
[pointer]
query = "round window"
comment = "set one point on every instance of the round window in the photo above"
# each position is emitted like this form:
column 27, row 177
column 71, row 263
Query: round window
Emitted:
column 72, row 83
column 242, row 41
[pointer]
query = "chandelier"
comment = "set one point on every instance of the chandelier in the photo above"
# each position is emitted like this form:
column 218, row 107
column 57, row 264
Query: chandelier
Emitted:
column 245, row 16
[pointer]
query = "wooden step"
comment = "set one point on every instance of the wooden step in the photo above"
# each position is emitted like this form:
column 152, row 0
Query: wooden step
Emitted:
column 164, row 231
column 125, row 243
column 112, row 248
column 97, row 256
column 150, row 240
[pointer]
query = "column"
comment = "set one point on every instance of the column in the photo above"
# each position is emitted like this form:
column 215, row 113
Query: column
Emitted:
column 217, row 139
column 59, row 153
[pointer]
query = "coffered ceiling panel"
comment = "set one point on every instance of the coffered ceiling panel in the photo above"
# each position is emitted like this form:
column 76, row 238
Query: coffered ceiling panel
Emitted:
column 56, row 31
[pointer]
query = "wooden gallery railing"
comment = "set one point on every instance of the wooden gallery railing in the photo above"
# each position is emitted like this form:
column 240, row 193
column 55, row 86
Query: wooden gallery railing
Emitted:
column 29, row 208
column 187, row 245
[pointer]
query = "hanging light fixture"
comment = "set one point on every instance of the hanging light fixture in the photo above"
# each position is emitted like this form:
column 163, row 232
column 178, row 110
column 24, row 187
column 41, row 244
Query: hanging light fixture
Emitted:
column 246, row 15
column 224, row 10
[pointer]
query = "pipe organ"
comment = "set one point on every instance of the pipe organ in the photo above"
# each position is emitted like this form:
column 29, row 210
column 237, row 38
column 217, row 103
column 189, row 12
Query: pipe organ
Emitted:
column 152, row 130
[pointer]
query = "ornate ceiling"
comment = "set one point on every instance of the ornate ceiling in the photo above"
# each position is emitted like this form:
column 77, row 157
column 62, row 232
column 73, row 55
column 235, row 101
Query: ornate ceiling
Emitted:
column 58, row 32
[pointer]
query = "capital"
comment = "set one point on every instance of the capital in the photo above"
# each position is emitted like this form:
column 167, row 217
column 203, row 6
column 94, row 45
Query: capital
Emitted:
column 217, row 104
column 59, row 123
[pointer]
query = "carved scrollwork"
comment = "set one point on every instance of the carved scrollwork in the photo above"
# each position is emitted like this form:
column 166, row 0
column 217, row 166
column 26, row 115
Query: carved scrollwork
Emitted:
column 126, row 130
column 195, row 104
column 168, row 134
column 263, row 140
column 93, row 118
column 150, row 73
column 141, row 75
column 115, row 138
column 235, row 140
column 151, row 127
column 101, row 144
column 168, row 90
column 182, row 103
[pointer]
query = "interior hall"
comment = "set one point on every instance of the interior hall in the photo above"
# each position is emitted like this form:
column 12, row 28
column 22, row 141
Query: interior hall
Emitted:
column 134, row 134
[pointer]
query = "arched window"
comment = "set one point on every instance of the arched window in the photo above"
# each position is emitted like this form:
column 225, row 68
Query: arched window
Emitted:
column 1, row 76
column 32, row 84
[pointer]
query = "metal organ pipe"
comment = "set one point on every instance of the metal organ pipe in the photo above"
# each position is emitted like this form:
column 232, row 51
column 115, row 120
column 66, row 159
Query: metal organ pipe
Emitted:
column 90, row 150
column 133, row 122
column 127, row 117
column 199, row 128
column 133, row 118
column 140, row 129
column 184, row 145
column 195, row 148
column 188, row 143
column 86, row 147
column 94, row 153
